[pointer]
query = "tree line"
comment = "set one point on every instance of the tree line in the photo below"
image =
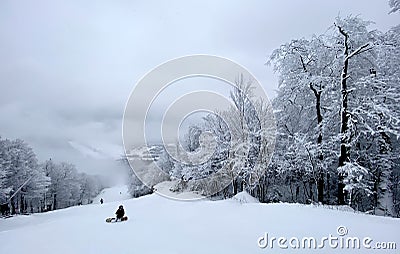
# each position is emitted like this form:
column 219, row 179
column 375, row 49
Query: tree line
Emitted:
column 338, row 116
column 27, row 186
column 337, row 126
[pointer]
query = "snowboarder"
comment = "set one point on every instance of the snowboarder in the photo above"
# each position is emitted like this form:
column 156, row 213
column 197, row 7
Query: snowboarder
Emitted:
column 101, row 201
column 120, row 213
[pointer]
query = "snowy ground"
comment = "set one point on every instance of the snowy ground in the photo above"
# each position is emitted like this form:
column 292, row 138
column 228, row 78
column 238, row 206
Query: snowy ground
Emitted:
column 116, row 193
column 164, row 189
column 161, row 225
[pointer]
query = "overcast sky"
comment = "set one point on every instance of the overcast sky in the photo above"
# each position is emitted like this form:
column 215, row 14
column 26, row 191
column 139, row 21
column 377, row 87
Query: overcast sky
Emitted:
column 67, row 67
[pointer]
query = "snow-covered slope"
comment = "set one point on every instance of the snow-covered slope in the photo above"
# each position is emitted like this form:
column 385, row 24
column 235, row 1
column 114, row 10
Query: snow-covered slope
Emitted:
column 117, row 193
column 164, row 189
column 160, row 225
column 244, row 197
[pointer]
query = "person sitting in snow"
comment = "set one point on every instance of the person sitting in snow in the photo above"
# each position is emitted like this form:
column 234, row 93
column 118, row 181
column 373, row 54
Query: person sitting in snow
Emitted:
column 120, row 213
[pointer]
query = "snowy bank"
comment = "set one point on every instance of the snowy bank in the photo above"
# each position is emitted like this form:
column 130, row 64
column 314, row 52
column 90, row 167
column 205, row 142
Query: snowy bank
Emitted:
column 160, row 225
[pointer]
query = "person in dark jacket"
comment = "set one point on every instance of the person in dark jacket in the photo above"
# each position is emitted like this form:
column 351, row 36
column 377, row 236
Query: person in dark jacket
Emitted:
column 101, row 201
column 120, row 213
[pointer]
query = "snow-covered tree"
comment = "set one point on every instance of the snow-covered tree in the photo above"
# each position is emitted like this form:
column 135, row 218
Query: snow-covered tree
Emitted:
column 22, row 180
column 31, row 187
column 355, row 40
column 67, row 186
column 394, row 5
column 349, row 69
column 5, row 170
column 378, row 118
column 243, row 136
column 64, row 185
column 90, row 187
column 307, row 77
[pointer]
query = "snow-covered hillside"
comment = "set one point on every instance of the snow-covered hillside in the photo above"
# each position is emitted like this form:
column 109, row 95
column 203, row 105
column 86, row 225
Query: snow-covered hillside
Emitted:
column 117, row 193
column 160, row 225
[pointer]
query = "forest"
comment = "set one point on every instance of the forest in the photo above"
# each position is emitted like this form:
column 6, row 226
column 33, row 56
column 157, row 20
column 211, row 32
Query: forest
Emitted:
column 28, row 186
column 334, row 136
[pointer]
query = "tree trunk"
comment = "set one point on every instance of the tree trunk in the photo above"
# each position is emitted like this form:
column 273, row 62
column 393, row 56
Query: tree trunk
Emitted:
column 328, row 187
column 320, row 170
column 22, row 204
column 310, row 187
column 344, row 118
column 13, row 210
column 345, row 137
column 382, row 194
column 234, row 187
column 55, row 202
column 376, row 190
